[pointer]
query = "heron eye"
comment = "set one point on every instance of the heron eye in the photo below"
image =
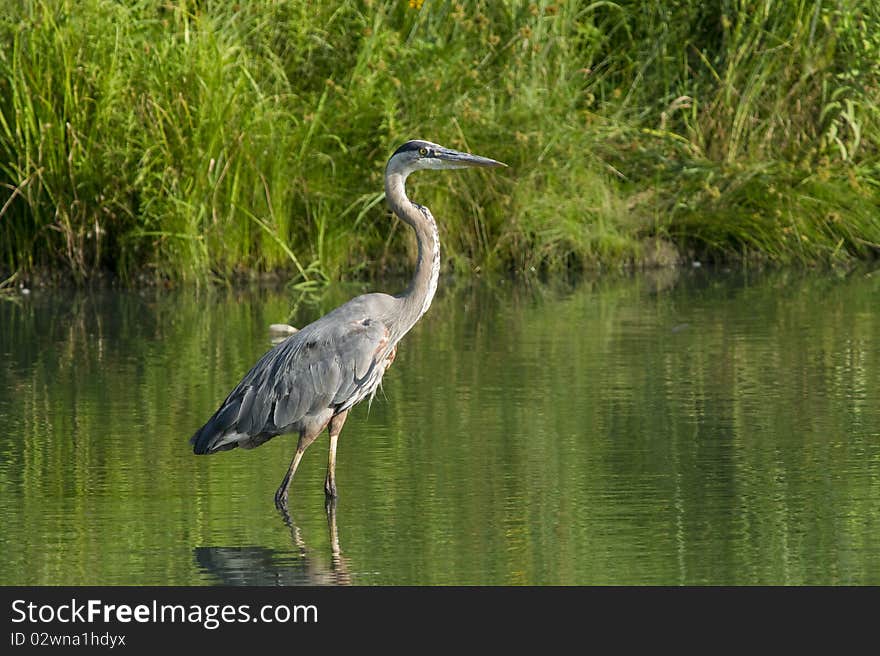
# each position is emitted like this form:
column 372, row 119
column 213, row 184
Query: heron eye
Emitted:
column 423, row 152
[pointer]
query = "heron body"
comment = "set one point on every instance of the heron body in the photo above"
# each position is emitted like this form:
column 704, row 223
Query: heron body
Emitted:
column 310, row 381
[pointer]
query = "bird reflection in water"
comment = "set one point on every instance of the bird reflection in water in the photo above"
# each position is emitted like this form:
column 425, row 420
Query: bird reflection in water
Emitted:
column 271, row 567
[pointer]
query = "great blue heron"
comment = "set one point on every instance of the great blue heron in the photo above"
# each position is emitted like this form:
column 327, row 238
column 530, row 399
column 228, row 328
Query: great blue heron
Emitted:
column 312, row 379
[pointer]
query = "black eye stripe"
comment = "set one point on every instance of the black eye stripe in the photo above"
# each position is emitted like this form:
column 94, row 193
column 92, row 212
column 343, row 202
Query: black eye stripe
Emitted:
column 414, row 146
column 419, row 149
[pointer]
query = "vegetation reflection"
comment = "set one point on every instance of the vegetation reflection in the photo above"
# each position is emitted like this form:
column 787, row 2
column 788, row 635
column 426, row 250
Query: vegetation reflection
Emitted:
column 688, row 428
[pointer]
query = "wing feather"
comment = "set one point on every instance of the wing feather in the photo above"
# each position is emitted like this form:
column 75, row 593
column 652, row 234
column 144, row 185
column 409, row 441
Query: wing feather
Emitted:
column 324, row 365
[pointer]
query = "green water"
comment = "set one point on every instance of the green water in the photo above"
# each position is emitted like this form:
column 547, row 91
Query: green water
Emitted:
column 683, row 428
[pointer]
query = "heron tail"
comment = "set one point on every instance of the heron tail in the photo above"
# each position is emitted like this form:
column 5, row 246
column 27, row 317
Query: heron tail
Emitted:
column 205, row 442
column 214, row 435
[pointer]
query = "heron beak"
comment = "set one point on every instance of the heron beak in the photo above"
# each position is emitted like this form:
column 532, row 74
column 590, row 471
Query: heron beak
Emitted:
column 461, row 160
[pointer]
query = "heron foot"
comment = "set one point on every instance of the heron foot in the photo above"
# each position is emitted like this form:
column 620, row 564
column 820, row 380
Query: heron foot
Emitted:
column 330, row 488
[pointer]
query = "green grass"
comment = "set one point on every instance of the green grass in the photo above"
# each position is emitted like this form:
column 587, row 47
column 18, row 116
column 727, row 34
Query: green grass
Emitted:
column 198, row 140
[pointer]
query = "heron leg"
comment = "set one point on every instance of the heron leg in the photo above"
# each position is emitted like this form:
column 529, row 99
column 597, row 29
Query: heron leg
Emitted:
column 281, row 494
column 335, row 427
column 306, row 437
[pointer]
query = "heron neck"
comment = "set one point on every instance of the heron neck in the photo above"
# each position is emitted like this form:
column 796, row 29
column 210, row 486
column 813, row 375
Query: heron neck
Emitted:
column 417, row 297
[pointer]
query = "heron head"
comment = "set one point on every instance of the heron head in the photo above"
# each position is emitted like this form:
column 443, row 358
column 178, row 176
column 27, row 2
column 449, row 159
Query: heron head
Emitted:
column 417, row 154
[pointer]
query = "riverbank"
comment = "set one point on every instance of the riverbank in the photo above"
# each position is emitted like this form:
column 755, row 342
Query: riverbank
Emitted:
column 192, row 141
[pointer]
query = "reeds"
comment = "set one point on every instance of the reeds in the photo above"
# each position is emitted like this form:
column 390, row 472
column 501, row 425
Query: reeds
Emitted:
column 191, row 140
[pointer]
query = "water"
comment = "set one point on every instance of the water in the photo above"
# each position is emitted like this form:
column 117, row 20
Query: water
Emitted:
column 684, row 428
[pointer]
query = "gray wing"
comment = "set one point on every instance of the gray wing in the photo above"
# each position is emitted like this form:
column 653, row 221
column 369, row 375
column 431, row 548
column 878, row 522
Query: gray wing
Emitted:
column 326, row 365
